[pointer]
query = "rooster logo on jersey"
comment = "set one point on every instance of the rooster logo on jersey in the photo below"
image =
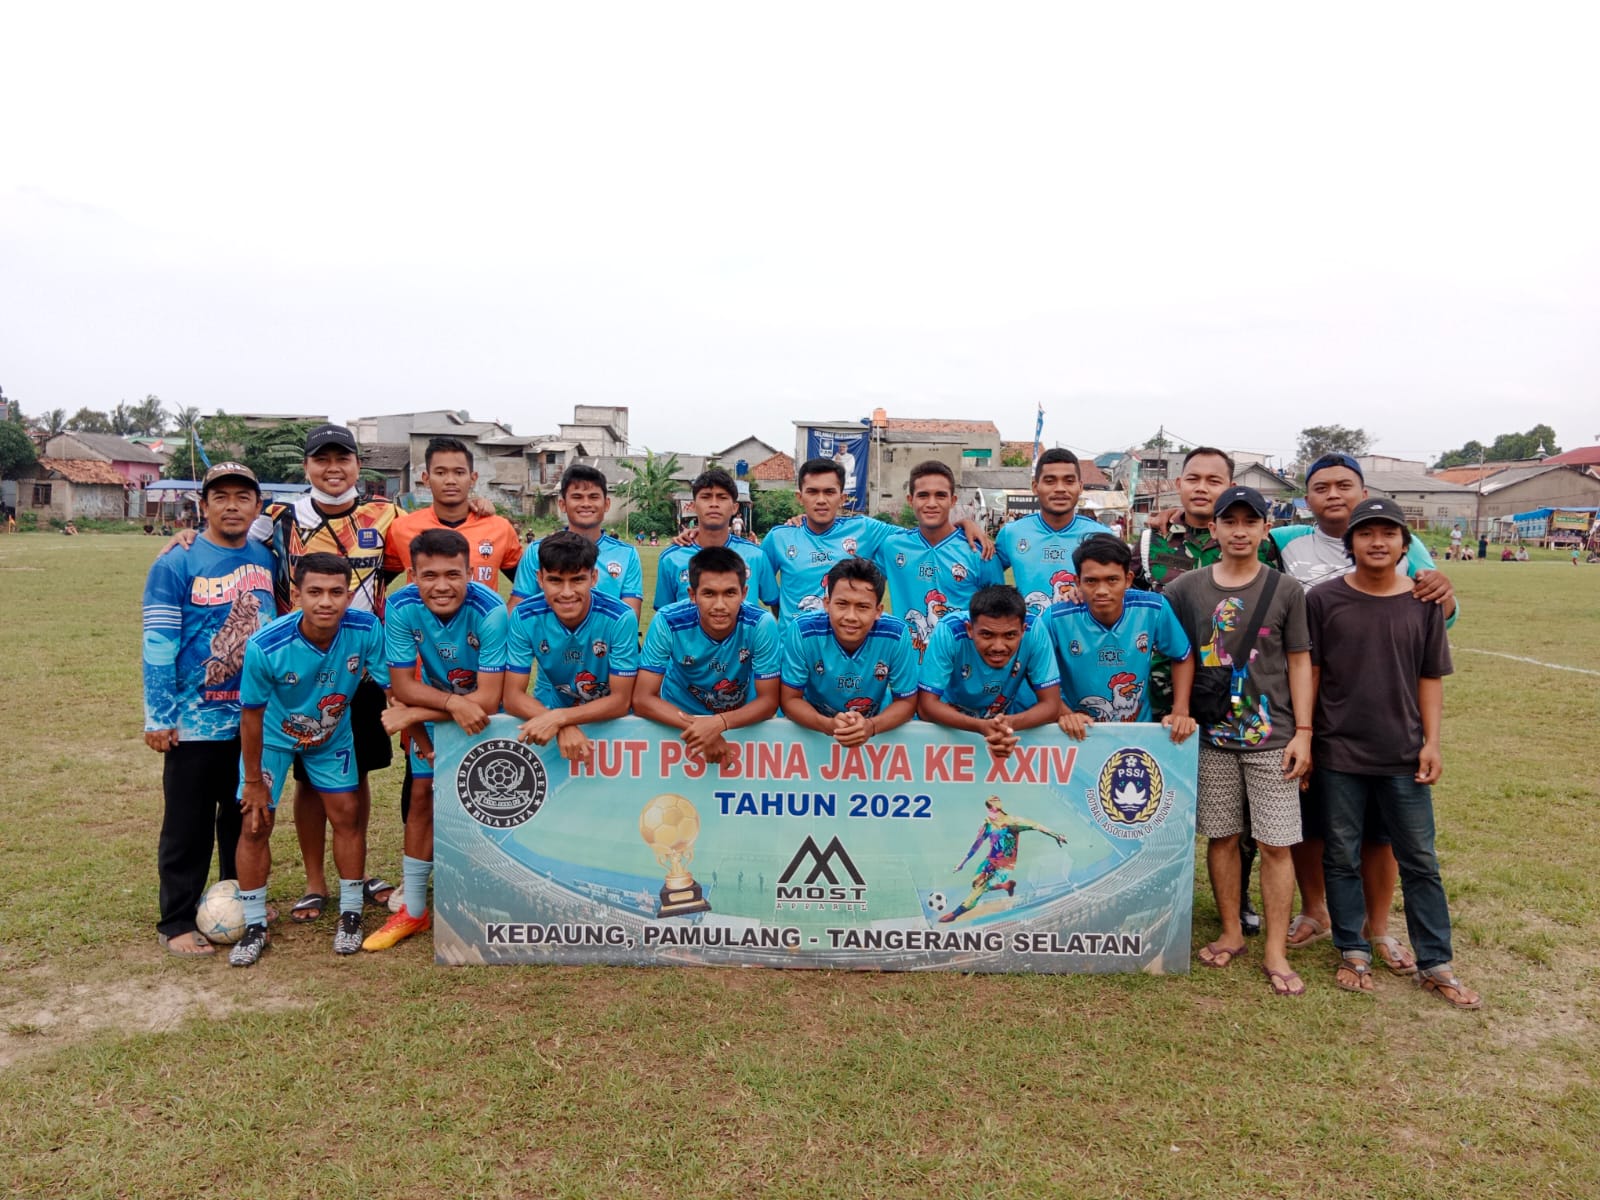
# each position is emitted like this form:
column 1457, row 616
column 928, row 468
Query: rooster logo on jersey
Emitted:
column 1123, row 705
column 922, row 622
column 584, row 688
column 310, row 733
column 462, row 681
column 723, row 696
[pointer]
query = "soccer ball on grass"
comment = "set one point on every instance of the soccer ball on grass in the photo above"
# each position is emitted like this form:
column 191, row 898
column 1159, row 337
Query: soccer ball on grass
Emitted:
column 220, row 917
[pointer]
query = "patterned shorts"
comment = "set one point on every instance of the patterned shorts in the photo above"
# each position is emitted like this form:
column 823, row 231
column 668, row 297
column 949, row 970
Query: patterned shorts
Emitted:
column 1228, row 778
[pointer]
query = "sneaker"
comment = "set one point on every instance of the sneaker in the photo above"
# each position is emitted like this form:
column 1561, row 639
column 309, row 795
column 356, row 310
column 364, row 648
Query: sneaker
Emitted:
column 1249, row 918
column 397, row 899
column 396, row 929
column 348, row 938
column 247, row 951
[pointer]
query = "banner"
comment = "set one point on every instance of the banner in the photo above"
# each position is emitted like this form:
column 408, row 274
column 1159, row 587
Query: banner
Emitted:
column 797, row 852
column 850, row 451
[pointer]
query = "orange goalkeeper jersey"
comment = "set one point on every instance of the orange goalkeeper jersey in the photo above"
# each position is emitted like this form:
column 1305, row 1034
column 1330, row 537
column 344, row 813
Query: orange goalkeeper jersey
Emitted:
column 492, row 543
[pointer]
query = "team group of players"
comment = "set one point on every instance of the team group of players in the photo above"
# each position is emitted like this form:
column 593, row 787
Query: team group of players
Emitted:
column 798, row 622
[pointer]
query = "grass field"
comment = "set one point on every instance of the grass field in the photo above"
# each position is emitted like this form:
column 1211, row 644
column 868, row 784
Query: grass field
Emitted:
column 124, row 1072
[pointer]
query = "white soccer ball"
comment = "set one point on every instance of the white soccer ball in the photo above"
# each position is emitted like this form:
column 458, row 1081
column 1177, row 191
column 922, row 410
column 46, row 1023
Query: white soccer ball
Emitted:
column 936, row 901
column 220, row 917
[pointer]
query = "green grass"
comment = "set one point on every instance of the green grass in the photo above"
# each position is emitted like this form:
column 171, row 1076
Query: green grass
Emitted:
column 126, row 1073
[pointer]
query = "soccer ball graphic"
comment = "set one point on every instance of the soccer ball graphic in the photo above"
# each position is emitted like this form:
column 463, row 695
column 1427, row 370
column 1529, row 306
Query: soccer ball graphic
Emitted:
column 499, row 775
column 220, row 917
column 936, row 901
column 669, row 824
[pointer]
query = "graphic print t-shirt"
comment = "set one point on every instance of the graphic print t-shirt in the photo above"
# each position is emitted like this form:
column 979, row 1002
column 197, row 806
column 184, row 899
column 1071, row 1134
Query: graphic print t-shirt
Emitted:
column 955, row 672
column 451, row 652
column 295, row 530
column 201, row 606
column 928, row 582
column 575, row 665
column 1262, row 716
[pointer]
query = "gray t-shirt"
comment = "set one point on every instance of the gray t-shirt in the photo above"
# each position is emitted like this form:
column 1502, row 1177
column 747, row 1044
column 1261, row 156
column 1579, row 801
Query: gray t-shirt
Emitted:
column 1263, row 712
column 1372, row 651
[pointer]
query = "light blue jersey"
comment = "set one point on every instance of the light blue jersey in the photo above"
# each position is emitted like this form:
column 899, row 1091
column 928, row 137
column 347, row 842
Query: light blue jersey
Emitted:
column 672, row 574
column 201, row 606
column 927, row 581
column 1106, row 672
column 955, row 672
column 305, row 690
column 451, row 652
column 701, row 675
column 882, row 669
column 618, row 564
column 575, row 665
column 801, row 558
column 1040, row 558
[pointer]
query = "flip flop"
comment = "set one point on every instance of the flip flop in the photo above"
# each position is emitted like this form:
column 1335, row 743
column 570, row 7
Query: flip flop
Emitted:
column 1398, row 959
column 308, row 908
column 197, row 946
column 1215, row 949
column 1319, row 931
column 1293, row 985
column 377, row 890
column 1358, row 967
column 1435, row 985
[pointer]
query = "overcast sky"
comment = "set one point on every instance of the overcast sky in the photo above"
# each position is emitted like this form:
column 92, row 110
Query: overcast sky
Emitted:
column 1233, row 221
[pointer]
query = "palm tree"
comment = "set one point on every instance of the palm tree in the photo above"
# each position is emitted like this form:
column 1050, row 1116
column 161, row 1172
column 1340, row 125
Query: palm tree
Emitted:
column 148, row 416
column 89, row 420
column 54, row 422
column 186, row 424
column 122, row 423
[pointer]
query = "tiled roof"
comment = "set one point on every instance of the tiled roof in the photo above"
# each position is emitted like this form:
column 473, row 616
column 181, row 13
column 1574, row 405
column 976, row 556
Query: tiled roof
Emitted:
column 114, row 448
column 928, row 425
column 777, row 469
column 1584, row 456
column 83, row 470
column 386, row 456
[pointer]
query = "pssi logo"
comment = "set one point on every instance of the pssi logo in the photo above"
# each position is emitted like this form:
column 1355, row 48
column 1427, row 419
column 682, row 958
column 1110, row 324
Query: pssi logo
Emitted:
column 802, row 886
column 1130, row 798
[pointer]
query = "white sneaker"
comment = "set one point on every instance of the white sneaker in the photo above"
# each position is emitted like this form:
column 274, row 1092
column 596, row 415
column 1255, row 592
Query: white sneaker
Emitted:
column 397, row 899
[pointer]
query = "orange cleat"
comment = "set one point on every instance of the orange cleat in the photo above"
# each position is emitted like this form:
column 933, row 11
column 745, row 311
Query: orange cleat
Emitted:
column 396, row 929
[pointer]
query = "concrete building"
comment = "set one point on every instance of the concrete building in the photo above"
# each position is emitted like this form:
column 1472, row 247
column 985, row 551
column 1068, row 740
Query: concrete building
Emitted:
column 132, row 463
column 749, row 451
column 1545, row 485
column 1425, row 499
column 602, row 428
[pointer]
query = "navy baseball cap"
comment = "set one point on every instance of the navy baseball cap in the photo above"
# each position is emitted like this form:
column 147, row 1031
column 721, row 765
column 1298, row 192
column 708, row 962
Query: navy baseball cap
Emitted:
column 1335, row 460
column 1248, row 496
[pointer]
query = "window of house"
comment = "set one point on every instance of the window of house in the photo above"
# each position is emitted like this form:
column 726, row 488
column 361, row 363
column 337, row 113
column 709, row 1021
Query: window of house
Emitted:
column 41, row 495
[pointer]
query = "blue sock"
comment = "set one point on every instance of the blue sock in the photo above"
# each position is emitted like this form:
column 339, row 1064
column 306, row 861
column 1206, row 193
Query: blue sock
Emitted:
column 414, row 873
column 350, row 895
column 255, row 906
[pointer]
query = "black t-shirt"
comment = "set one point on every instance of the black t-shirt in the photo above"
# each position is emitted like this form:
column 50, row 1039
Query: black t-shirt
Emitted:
column 1372, row 651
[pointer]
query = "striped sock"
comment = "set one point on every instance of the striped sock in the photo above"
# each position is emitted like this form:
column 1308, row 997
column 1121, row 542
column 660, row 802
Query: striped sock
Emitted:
column 350, row 896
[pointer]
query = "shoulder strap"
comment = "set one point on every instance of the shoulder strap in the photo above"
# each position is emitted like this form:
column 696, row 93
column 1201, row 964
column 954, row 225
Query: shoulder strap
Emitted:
column 1253, row 625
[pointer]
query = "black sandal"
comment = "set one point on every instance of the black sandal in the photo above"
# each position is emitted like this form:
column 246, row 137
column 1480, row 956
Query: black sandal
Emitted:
column 308, row 908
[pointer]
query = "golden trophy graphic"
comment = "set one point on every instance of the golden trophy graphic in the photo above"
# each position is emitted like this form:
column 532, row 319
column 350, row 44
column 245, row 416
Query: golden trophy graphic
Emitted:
column 669, row 825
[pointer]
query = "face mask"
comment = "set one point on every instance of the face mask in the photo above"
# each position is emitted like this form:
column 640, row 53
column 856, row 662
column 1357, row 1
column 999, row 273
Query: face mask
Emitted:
column 330, row 501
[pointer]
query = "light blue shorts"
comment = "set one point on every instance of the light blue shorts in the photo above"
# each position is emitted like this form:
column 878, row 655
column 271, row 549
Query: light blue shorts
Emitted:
column 331, row 769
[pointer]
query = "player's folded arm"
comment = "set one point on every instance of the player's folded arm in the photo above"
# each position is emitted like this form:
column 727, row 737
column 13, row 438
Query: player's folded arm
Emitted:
column 932, row 706
column 647, row 701
column 764, row 706
column 1047, row 703
column 801, row 711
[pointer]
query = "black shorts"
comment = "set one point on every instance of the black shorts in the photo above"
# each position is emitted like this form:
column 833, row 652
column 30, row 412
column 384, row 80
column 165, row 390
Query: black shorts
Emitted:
column 1314, row 817
column 374, row 750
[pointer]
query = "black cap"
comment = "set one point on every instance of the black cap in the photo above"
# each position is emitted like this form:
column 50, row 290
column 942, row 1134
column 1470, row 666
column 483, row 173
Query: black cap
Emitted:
column 1247, row 496
column 324, row 436
column 1378, row 508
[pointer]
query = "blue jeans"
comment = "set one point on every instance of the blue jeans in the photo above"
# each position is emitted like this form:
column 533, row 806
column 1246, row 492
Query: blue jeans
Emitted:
column 1407, row 808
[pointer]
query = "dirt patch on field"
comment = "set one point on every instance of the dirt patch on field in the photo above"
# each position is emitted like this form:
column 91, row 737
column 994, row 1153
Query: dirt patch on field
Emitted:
column 50, row 1012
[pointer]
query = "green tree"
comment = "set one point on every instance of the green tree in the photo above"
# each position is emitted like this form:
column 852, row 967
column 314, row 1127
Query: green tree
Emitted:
column 89, row 420
column 1332, row 439
column 770, row 507
column 121, row 418
column 1016, row 458
column 53, row 422
column 16, row 450
column 649, row 490
column 148, row 417
column 1508, row 447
